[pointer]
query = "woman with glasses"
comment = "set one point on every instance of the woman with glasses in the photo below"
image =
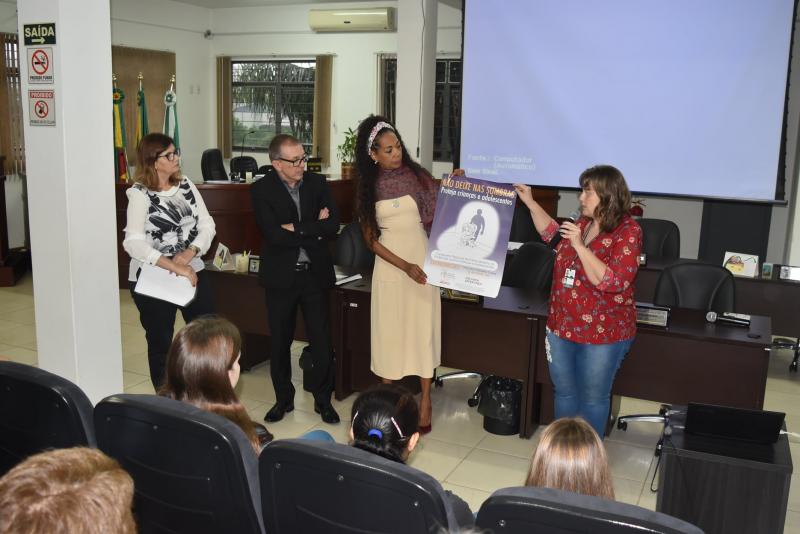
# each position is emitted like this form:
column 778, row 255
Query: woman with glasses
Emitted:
column 396, row 202
column 169, row 226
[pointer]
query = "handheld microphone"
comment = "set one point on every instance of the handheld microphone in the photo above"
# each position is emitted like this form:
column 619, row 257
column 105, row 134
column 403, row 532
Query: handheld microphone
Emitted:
column 736, row 319
column 574, row 216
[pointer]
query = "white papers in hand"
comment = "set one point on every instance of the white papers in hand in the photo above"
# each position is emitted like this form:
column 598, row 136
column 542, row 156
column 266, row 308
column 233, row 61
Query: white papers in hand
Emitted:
column 163, row 285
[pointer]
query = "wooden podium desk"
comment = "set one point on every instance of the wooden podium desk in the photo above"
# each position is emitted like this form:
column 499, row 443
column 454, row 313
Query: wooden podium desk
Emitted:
column 690, row 360
column 775, row 298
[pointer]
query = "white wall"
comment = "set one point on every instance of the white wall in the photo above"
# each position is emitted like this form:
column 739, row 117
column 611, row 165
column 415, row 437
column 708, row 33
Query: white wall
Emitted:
column 283, row 32
column 8, row 17
column 178, row 28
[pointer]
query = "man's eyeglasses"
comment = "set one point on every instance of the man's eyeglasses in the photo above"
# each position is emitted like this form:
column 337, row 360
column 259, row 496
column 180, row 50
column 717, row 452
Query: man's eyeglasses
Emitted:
column 295, row 162
column 171, row 155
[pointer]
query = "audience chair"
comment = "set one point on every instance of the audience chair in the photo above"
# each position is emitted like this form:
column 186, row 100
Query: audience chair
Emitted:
column 698, row 286
column 522, row 228
column 530, row 268
column 550, row 511
column 40, row 411
column 243, row 164
column 661, row 238
column 194, row 471
column 351, row 249
column 211, row 165
column 322, row 487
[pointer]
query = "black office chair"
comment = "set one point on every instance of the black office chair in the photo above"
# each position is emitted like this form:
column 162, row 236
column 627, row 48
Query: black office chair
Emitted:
column 351, row 249
column 660, row 238
column 522, row 228
column 322, row 487
column 211, row 165
column 546, row 510
column 530, row 268
column 193, row 471
column 40, row 411
column 243, row 164
column 264, row 169
column 698, row 286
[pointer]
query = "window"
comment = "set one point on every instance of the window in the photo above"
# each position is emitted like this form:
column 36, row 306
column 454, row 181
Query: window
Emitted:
column 447, row 105
column 271, row 97
column 12, row 144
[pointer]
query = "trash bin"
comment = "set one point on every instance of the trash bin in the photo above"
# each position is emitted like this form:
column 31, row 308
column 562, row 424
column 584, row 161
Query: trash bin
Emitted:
column 500, row 405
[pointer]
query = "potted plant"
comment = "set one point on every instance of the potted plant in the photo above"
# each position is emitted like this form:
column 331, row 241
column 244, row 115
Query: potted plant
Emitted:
column 347, row 154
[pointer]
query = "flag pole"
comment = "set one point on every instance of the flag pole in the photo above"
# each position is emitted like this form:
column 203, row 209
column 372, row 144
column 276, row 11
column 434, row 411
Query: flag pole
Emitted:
column 142, row 127
column 118, row 116
column 171, row 113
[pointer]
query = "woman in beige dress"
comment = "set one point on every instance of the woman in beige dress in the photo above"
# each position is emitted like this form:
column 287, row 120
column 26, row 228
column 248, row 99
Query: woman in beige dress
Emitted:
column 397, row 199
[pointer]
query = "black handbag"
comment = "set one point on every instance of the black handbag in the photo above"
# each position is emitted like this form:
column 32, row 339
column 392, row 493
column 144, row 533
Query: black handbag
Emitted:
column 314, row 372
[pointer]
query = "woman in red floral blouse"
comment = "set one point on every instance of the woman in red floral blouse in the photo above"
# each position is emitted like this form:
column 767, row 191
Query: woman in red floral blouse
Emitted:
column 592, row 319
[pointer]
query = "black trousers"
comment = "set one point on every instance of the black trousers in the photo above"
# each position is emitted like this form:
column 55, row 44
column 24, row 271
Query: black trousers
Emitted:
column 158, row 320
column 282, row 311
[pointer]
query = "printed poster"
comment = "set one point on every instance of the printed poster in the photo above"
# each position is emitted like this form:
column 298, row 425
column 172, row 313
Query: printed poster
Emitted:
column 469, row 238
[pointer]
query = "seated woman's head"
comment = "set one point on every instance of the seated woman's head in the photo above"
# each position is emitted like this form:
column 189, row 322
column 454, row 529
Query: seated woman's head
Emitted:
column 385, row 422
column 67, row 490
column 571, row 457
column 203, row 368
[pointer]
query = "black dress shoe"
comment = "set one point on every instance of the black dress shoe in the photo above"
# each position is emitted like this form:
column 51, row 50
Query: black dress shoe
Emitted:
column 327, row 412
column 277, row 412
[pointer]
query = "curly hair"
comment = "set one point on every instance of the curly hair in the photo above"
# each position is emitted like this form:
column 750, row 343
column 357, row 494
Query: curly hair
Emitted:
column 198, row 362
column 368, row 171
column 611, row 188
column 375, row 414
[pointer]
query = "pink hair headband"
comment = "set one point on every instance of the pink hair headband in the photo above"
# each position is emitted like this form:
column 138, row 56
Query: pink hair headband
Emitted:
column 374, row 132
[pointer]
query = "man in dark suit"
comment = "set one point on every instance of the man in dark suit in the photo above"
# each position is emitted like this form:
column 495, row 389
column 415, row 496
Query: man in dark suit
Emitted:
column 296, row 214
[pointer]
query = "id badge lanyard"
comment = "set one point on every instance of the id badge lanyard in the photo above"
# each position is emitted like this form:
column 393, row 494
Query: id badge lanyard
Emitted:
column 571, row 272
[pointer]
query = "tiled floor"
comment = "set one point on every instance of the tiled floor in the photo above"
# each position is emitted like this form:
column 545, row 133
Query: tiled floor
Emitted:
column 459, row 453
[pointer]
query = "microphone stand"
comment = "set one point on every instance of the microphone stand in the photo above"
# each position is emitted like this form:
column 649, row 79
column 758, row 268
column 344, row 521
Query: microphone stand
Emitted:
column 241, row 154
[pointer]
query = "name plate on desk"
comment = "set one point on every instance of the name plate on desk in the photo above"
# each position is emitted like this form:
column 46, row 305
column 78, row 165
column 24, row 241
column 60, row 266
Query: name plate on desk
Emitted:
column 652, row 314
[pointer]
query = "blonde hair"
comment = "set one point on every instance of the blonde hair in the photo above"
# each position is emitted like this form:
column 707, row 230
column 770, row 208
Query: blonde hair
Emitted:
column 571, row 457
column 67, row 491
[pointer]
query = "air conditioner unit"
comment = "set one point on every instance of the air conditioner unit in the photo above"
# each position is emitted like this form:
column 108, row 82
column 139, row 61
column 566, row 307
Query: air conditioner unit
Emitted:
column 379, row 19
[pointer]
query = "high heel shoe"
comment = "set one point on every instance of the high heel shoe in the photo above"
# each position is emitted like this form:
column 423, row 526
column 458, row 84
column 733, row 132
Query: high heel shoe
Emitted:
column 425, row 429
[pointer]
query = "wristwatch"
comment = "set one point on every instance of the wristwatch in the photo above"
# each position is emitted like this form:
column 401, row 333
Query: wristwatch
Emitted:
column 196, row 249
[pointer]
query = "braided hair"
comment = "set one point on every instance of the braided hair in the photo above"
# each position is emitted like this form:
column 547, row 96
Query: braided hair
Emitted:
column 385, row 417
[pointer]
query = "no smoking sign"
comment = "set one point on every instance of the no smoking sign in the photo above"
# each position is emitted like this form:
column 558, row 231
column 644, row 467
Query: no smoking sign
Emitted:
column 40, row 64
column 42, row 107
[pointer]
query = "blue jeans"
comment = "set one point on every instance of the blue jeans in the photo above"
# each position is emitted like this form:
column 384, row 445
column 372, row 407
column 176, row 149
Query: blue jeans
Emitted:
column 582, row 375
column 317, row 435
